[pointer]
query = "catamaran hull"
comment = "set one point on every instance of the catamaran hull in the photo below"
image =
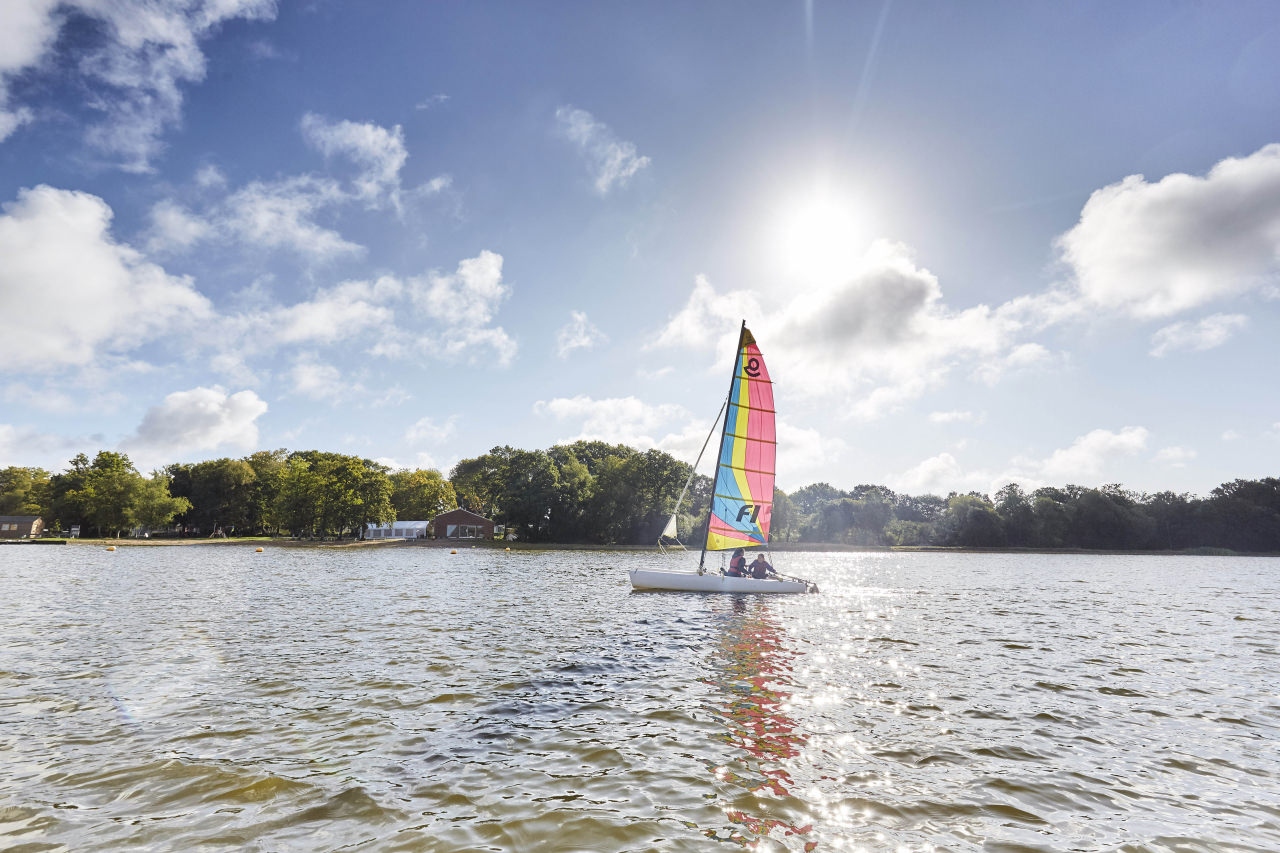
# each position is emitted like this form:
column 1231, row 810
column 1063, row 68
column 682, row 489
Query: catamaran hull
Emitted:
column 690, row 582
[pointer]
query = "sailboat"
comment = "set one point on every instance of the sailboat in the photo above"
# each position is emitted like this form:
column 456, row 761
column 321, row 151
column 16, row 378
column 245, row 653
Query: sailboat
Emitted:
column 742, row 498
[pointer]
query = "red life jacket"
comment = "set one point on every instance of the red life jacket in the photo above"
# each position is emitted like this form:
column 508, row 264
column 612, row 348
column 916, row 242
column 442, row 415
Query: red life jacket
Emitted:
column 736, row 566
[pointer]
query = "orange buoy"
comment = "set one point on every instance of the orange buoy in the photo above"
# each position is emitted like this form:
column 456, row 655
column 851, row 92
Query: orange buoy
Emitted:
column 111, row 547
column 259, row 550
column 454, row 551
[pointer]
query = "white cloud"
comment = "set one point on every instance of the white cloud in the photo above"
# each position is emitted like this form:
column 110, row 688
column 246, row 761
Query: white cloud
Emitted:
column 199, row 419
column 1086, row 461
column 936, row 475
column 319, row 381
column 281, row 215
column 951, row 417
column 804, row 455
column 210, row 177
column 612, row 161
column 1021, row 358
column 1088, row 455
column 142, row 54
column 431, row 101
column 27, row 31
column 379, row 153
column 427, row 431
column 336, row 313
column 871, row 341
column 1210, row 332
column 578, row 333
column 1230, row 435
column 616, row 420
column 1154, row 250
column 1175, row 457
column 97, row 296
column 27, row 446
column 173, row 228
column 466, row 302
column 708, row 320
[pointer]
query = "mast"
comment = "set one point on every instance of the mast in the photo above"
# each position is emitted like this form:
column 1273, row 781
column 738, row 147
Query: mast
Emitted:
column 715, row 476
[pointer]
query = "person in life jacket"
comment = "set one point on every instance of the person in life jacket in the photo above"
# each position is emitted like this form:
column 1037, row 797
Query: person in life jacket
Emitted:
column 737, row 565
column 761, row 567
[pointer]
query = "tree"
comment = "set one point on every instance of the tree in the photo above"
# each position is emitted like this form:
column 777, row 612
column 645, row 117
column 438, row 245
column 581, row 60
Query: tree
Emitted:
column 25, row 491
column 152, row 505
column 784, row 516
column 971, row 521
column 420, row 494
column 1016, row 515
column 107, row 490
column 268, row 467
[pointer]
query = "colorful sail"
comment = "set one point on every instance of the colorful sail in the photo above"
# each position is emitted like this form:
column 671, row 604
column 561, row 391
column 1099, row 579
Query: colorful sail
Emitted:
column 742, row 503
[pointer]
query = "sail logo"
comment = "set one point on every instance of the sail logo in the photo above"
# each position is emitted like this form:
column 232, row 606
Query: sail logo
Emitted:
column 748, row 508
column 752, row 367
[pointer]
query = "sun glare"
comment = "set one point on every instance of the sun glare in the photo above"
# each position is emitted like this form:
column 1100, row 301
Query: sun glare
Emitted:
column 820, row 237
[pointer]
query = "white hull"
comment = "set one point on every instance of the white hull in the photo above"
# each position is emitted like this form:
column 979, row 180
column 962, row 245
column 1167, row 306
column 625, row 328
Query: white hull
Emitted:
column 710, row 582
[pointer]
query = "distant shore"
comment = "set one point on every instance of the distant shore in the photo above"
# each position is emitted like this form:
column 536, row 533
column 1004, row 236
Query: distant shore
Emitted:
column 788, row 547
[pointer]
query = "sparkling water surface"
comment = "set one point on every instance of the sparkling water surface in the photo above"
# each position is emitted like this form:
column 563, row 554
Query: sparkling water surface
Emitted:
column 402, row 698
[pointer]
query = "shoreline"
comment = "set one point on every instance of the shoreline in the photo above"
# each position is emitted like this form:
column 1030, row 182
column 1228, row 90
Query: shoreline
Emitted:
column 791, row 547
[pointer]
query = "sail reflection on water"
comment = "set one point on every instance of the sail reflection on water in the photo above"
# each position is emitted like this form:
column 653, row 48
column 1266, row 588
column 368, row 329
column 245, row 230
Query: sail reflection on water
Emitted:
column 751, row 668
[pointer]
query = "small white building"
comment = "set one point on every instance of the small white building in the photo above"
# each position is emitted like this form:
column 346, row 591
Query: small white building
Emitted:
column 397, row 530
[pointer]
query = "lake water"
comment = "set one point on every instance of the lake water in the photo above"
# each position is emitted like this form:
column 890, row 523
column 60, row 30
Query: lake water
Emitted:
column 214, row 698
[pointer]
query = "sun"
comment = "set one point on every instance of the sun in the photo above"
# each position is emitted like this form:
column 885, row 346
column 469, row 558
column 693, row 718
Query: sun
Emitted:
column 820, row 236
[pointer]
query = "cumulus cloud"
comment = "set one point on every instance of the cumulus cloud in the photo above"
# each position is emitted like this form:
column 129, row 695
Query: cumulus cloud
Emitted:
column 612, row 161
column 1152, row 250
column 1089, row 454
column 173, row 228
column 951, row 417
column 1210, row 332
column 615, row 420
column 578, row 333
column 1175, row 457
column 466, row 301
column 317, row 380
column 936, row 475
column 282, row 215
column 199, row 419
column 377, row 152
column 427, row 431
column 1086, row 461
column 335, row 313
column 57, row 246
column 877, row 338
column 143, row 54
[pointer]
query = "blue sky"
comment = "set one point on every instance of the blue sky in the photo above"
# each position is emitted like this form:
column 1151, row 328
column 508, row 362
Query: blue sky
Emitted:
column 977, row 243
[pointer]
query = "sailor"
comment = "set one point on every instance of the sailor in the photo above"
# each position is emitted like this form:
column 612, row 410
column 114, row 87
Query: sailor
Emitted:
column 761, row 568
column 737, row 565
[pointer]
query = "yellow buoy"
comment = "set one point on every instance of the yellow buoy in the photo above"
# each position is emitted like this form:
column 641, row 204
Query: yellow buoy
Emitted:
column 111, row 547
column 259, row 550
column 454, row 551
column 506, row 549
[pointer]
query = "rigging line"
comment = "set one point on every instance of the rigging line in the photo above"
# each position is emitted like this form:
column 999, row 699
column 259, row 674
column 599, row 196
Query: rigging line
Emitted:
column 694, row 470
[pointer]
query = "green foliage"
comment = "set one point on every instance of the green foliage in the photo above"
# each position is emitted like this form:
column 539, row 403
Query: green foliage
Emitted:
column 421, row 495
column 25, row 491
column 594, row 492
column 153, row 507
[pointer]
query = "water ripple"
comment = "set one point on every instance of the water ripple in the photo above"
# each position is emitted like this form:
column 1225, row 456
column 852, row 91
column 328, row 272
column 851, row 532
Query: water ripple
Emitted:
column 408, row 699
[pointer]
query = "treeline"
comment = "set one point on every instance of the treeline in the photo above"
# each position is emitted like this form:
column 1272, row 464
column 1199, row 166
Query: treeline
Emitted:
column 1243, row 515
column 593, row 492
